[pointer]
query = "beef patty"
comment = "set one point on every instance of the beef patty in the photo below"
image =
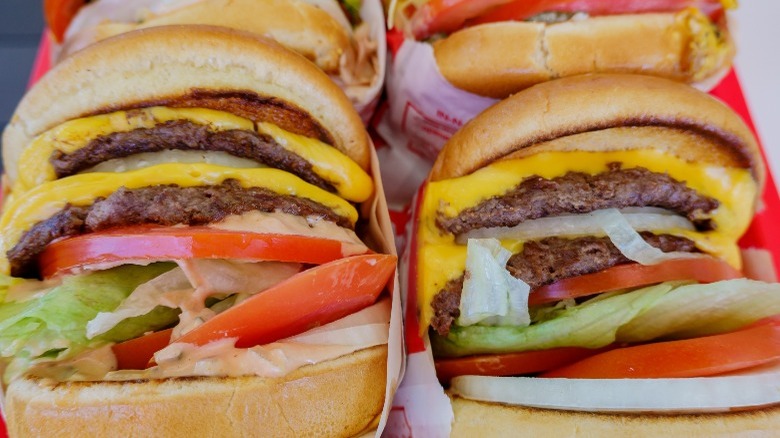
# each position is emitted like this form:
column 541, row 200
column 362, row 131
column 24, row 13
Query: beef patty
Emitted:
column 548, row 260
column 185, row 135
column 576, row 192
column 158, row 205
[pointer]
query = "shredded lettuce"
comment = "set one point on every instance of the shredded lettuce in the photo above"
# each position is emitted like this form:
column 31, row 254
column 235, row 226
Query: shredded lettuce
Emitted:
column 491, row 295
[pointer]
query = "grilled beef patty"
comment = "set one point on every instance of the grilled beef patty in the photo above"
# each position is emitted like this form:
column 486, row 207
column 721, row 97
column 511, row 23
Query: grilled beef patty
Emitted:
column 548, row 260
column 185, row 135
column 578, row 192
column 157, row 205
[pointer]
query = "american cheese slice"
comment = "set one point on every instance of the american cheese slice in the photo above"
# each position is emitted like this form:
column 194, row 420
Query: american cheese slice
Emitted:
column 441, row 259
column 329, row 163
column 350, row 181
column 41, row 202
column 69, row 137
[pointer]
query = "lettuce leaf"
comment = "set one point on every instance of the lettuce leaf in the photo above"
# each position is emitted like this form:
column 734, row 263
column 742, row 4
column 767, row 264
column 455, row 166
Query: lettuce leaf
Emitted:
column 590, row 325
column 665, row 311
column 57, row 319
column 704, row 309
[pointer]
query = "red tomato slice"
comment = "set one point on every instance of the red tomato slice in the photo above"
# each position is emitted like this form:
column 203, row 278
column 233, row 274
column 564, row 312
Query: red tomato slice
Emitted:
column 59, row 14
column 135, row 354
column 700, row 357
column 511, row 364
column 523, row 9
column 172, row 243
column 450, row 15
column 702, row 270
column 312, row 298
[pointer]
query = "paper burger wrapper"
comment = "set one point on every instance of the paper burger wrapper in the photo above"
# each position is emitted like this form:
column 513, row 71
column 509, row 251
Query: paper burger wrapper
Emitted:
column 379, row 237
column 420, row 408
column 422, row 112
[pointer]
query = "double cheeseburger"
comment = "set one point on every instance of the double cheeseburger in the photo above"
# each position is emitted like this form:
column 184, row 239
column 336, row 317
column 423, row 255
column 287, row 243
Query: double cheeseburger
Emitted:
column 192, row 245
column 330, row 33
column 498, row 47
column 584, row 231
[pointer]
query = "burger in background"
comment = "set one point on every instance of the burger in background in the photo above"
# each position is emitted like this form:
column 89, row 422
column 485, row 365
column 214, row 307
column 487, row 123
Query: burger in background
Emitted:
column 197, row 243
column 593, row 245
column 340, row 36
column 496, row 48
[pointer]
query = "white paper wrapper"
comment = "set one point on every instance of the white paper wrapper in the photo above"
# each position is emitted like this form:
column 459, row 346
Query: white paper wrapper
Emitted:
column 420, row 408
column 423, row 112
column 372, row 13
column 380, row 232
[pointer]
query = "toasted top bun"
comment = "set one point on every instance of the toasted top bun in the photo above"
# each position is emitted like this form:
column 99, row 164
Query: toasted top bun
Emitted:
column 547, row 117
column 189, row 66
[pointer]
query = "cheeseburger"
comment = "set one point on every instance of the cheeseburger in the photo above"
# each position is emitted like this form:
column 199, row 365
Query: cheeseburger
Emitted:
column 193, row 243
column 498, row 47
column 584, row 231
column 334, row 34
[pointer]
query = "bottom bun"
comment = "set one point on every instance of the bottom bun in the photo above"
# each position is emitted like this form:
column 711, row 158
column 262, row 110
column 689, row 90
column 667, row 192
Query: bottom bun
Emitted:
column 341, row 397
column 473, row 418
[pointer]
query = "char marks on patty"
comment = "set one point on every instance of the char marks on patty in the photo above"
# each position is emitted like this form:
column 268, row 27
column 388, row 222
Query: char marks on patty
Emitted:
column 577, row 192
column 548, row 260
column 158, row 205
column 185, row 135
column 244, row 104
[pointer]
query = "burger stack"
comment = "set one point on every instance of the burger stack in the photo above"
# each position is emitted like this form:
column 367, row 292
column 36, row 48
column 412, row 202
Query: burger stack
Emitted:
column 594, row 246
column 193, row 242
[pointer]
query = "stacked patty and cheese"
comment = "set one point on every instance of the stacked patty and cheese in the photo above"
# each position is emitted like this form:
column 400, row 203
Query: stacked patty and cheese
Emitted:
column 227, row 167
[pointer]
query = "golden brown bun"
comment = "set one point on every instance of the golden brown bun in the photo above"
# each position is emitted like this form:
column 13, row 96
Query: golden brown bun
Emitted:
column 160, row 64
column 474, row 418
column 499, row 59
column 294, row 24
column 550, row 115
column 340, row 397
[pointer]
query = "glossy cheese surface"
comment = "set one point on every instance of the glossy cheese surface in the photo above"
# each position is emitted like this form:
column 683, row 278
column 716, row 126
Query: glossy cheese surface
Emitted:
column 441, row 259
column 41, row 202
column 328, row 162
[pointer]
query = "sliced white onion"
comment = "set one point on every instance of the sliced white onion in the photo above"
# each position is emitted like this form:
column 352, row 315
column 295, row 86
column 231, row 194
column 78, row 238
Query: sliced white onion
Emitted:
column 640, row 219
column 148, row 159
column 694, row 395
column 629, row 242
column 369, row 326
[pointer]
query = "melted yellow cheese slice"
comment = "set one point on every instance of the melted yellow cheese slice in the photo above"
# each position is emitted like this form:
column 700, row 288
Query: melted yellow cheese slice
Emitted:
column 350, row 181
column 328, row 162
column 440, row 259
column 41, row 202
